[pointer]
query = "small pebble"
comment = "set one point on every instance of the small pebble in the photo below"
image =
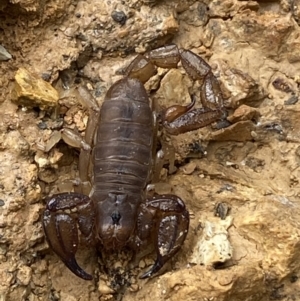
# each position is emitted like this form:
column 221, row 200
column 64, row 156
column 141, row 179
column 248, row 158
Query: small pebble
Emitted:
column 104, row 289
column 291, row 101
column 42, row 125
column 142, row 264
column 119, row 17
column 134, row 287
column 189, row 168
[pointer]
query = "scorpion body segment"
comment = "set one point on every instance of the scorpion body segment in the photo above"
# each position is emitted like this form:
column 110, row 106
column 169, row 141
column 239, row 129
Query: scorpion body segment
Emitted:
column 118, row 212
column 122, row 160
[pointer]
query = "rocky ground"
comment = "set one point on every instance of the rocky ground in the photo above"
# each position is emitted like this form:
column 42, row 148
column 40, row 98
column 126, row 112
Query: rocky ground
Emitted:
column 252, row 166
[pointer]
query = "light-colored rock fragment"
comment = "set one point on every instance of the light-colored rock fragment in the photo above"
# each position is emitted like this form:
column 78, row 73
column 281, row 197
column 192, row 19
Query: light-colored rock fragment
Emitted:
column 242, row 113
column 104, row 289
column 189, row 168
column 214, row 246
column 4, row 54
column 242, row 88
column 240, row 131
column 32, row 91
column 24, row 274
column 173, row 89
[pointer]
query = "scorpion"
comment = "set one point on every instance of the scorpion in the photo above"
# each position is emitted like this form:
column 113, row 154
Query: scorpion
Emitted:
column 118, row 211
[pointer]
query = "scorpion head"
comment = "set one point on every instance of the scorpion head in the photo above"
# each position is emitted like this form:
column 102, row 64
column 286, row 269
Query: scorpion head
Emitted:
column 116, row 220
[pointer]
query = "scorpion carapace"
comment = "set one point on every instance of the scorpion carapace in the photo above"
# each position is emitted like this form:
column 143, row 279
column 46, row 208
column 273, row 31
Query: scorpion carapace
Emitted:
column 118, row 212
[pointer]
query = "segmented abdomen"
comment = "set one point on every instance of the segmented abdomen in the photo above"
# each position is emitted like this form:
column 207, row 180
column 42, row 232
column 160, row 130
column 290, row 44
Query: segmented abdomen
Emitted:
column 123, row 149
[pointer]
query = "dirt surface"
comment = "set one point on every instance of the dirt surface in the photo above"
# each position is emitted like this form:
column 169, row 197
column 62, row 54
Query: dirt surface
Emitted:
column 252, row 166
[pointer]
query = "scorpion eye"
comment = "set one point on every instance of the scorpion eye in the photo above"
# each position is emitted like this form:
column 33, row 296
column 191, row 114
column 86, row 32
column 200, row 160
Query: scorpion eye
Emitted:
column 116, row 216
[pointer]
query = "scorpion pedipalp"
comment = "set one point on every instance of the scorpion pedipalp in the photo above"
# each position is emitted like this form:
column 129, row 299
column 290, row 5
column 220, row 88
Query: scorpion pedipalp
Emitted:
column 60, row 227
column 170, row 230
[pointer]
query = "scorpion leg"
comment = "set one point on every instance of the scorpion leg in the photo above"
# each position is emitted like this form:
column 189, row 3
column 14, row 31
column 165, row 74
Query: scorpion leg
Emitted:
column 63, row 212
column 84, row 144
column 170, row 219
column 90, row 133
column 166, row 152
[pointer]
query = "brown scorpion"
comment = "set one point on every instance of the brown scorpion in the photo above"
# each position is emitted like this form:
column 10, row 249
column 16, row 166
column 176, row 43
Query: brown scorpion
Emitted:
column 118, row 212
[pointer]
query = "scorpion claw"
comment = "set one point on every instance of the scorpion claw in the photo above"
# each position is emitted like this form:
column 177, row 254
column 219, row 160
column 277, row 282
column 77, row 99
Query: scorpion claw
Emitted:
column 60, row 227
column 72, row 264
column 65, row 241
column 155, row 268
column 170, row 230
